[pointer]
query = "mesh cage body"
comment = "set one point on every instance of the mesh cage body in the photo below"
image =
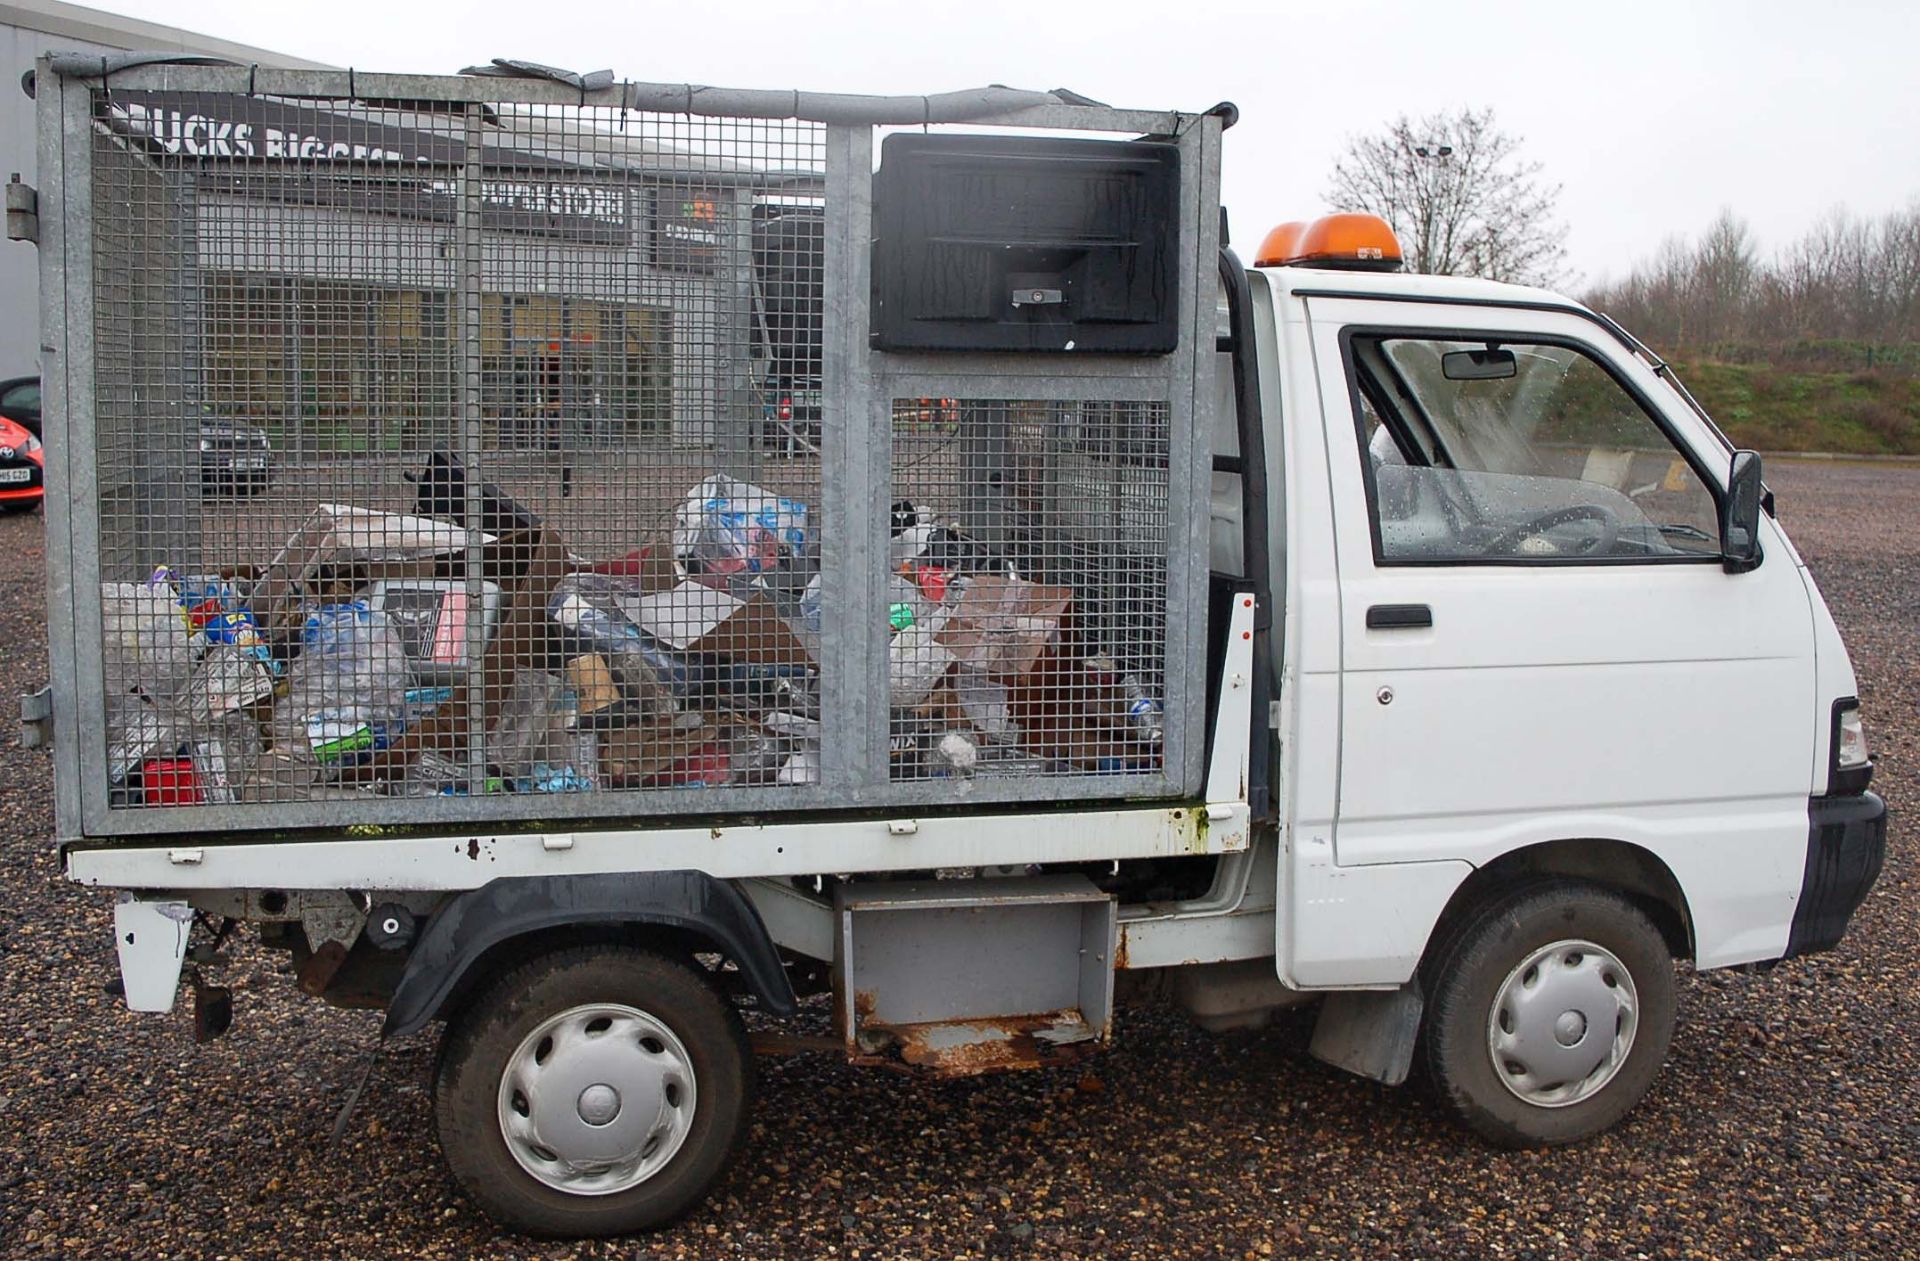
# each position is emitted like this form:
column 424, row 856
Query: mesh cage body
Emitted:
column 458, row 461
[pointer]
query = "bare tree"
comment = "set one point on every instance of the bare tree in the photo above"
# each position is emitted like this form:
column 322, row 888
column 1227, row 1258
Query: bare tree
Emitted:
column 1459, row 197
column 1847, row 278
column 1726, row 278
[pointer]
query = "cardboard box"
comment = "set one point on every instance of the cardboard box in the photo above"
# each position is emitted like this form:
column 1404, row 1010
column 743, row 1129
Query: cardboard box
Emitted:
column 340, row 546
column 942, row 709
column 651, row 568
column 1069, row 714
column 696, row 618
column 227, row 679
column 638, row 752
column 592, row 681
column 1003, row 626
column 431, row 617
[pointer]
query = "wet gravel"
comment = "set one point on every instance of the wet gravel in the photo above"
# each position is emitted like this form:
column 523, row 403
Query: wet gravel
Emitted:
column 1785, row 1123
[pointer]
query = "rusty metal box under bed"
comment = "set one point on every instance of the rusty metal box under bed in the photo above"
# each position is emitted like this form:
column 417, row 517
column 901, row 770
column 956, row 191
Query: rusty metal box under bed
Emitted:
column 449, row 451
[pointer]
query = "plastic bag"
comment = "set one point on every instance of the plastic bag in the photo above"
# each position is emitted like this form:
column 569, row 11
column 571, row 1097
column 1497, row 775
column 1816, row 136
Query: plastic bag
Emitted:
column 350, row 683
column 726, row 527
column 146, row 642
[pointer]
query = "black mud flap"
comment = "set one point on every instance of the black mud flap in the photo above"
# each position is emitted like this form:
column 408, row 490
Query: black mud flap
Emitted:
column 1846, row 847
column 689, row 901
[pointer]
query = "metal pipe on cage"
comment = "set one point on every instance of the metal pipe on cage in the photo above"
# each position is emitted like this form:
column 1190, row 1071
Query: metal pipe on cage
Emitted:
column 469, row 194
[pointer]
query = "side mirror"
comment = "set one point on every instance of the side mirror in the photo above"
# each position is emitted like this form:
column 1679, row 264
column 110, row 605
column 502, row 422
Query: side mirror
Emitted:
column 1740, row 514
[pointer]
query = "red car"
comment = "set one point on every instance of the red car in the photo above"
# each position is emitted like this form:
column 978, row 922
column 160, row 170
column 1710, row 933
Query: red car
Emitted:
column 23, row 468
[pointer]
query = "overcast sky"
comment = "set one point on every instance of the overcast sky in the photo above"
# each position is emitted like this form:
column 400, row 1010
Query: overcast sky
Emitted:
column 1652, row 115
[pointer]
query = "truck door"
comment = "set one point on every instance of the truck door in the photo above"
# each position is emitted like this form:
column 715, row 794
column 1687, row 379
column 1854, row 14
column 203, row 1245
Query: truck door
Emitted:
column 1539, row 641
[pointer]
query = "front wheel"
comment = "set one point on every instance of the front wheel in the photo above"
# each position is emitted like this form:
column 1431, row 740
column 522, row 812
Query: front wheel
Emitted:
column 1550, row 1015
column 593, row 1091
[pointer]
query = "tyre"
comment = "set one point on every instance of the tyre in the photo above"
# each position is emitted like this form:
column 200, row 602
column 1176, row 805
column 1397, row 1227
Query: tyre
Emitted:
column 593, row 1091
column 1550, row 1010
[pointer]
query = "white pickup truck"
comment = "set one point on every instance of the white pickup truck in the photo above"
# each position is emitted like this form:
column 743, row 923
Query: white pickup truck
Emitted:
column 1128, row 624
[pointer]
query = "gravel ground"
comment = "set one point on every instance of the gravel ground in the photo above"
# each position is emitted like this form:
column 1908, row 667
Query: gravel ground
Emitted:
column 1785, row 1123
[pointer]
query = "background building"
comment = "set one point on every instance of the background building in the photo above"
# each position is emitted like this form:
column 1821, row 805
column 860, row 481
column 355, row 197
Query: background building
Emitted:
column 28, row 29
column 641, row 277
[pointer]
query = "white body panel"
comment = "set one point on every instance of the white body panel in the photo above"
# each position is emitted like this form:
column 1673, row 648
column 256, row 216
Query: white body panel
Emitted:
column 1669, row 706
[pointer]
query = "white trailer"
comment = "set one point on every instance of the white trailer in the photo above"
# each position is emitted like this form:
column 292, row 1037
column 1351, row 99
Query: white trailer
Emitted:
column 1124, row 622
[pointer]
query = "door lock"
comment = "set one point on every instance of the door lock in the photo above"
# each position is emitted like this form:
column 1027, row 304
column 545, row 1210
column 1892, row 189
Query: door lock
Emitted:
column 1384, row 696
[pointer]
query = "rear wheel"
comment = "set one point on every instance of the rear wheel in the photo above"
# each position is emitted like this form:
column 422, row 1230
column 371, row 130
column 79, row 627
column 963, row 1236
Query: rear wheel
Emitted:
column 1551, row 1010
column 593, row 1091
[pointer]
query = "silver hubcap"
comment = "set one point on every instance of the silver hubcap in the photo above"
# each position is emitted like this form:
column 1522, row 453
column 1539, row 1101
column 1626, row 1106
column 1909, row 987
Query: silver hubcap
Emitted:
column 1563, row 1023
column 597, row 1099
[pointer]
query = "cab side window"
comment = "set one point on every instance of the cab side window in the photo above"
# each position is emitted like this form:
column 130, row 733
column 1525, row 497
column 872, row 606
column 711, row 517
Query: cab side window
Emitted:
column 1502, row 452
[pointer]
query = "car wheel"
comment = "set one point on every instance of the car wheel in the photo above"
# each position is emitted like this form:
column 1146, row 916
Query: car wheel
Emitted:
column 593, row 1091
column 1551, row 1010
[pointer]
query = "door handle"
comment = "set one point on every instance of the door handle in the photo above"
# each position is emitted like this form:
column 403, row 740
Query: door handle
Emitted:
column 1399, row 616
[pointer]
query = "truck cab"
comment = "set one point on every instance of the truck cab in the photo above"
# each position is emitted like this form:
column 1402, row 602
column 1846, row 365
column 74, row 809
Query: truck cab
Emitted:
column 1547, row 663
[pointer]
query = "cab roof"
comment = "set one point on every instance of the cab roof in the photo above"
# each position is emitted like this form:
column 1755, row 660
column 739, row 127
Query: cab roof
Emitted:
column 1290, row 279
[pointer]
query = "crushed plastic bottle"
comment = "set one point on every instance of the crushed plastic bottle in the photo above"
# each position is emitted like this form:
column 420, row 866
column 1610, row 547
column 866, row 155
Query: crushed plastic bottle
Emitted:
column 1140, row 710
column 810, row 605
column 554, row 779
column 1144, row 714
column 987, row 705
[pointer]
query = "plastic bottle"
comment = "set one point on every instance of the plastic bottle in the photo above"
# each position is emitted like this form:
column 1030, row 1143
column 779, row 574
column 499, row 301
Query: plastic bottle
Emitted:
column 1144, row 714
column 352, row 663
column 1140, row 710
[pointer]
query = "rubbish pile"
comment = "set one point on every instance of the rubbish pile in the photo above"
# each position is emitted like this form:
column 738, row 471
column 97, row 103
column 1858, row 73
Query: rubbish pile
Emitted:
column 421, row 655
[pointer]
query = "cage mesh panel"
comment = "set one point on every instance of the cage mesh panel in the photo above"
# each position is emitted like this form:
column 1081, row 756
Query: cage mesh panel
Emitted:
column 1027, row 608
column 464, row 451
column 333, row 337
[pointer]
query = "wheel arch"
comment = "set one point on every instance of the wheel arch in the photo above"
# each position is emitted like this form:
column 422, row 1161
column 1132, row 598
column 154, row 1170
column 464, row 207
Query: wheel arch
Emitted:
column 1630, row 869
column 505, row 921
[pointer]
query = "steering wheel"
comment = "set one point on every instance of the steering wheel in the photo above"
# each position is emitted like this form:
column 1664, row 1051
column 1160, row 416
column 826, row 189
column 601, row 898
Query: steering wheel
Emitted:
column 1510, row 540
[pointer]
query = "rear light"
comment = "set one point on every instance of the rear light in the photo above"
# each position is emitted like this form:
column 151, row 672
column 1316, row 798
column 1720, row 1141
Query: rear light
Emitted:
column 786, row 409
column 1850, row 763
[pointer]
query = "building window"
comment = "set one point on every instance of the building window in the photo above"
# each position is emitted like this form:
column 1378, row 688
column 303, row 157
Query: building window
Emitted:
column 329, row 366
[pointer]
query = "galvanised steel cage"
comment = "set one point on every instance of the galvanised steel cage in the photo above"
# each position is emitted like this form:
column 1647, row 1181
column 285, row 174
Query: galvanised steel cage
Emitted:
column 456, row 450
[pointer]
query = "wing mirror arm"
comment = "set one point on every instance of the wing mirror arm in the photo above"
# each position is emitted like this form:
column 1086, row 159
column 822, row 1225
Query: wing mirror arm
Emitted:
column 1740, row 514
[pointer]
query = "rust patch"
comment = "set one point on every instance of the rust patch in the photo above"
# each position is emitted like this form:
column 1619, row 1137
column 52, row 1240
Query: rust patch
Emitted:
column 317, row 972
column 967, row 1048
column 473, row 848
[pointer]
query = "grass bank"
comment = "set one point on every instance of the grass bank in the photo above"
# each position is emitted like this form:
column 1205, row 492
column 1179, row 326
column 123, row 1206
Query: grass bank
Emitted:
column 1870, row 411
